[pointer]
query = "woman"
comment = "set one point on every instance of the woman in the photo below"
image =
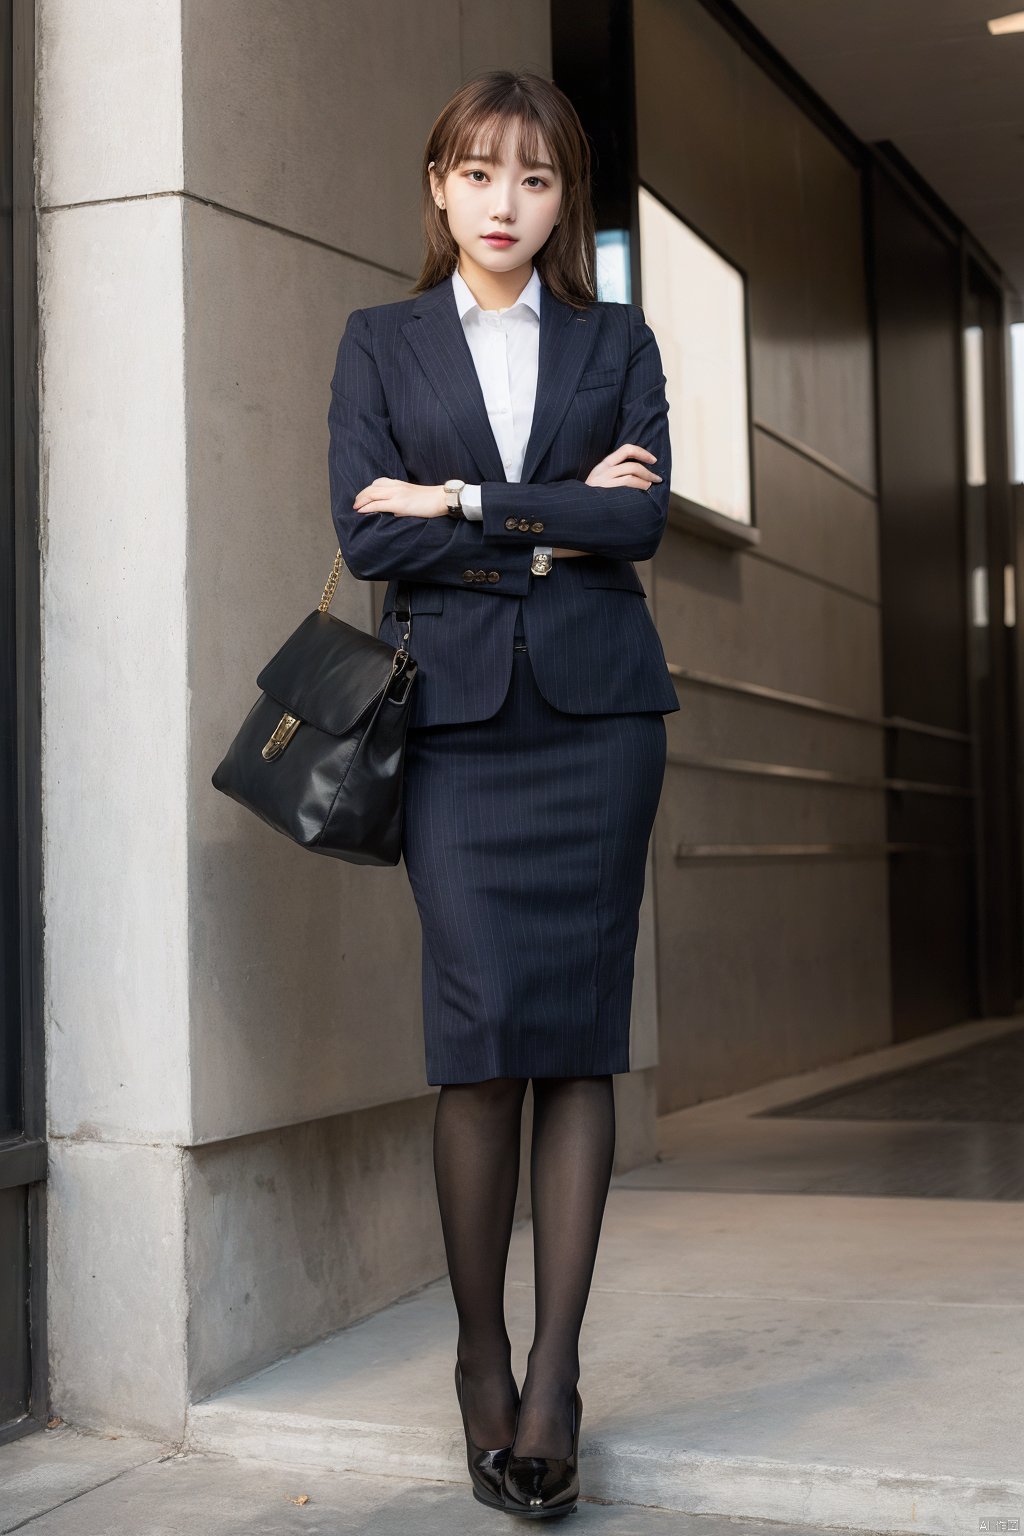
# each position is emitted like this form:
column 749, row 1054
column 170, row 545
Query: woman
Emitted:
column 499, row 447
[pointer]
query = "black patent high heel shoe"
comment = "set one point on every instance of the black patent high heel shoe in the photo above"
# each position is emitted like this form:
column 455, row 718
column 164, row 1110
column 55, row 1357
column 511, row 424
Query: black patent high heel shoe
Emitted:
column 539, row 1487
column 485, row 1467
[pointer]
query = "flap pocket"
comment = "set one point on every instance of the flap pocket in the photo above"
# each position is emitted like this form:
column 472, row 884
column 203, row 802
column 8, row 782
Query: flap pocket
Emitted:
column 599, row 571
column 598, row 376
column 422, row 598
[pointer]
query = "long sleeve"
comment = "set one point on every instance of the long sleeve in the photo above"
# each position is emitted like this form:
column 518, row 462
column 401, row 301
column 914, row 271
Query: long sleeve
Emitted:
column 626, row 522
column 378, row 545
column 470, row 499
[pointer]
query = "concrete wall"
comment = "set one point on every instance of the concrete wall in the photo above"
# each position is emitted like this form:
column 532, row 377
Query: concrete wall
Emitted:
column 770, row 965
column 239, row 1119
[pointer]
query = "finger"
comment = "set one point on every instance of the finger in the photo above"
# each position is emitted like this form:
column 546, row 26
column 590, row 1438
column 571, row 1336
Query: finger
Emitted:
column 379, row 487
column 635, row 474
column 635, row 479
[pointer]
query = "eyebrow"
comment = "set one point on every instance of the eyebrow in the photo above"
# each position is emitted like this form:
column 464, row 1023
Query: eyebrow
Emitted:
column 530, row 165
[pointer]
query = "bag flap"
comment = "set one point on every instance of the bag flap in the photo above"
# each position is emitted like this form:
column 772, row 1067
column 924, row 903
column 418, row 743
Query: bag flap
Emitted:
column 328, row 673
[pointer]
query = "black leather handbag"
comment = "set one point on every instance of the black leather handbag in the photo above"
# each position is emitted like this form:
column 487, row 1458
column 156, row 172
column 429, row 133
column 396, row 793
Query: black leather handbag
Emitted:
column 320, row 755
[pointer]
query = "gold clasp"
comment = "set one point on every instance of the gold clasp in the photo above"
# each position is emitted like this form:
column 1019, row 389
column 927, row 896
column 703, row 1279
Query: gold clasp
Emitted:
column 283, row 733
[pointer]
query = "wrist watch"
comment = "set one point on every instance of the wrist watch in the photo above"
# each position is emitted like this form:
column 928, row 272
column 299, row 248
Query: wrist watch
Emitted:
column 453, row 496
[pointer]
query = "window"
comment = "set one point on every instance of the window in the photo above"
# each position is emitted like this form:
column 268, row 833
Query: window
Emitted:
column 695, row 302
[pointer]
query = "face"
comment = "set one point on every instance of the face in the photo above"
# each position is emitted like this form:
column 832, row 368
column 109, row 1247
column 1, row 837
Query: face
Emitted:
column 483, row 198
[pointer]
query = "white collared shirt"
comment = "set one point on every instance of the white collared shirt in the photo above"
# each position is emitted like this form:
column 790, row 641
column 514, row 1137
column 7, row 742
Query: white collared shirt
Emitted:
column 505, row 344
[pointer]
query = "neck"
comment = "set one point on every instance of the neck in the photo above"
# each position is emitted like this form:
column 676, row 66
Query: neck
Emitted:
column 494, row 290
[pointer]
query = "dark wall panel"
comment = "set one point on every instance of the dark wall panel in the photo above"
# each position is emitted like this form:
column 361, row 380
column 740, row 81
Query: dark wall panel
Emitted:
column 923, row 587
column 759, row 622
column 924, row 591
column 770, row 964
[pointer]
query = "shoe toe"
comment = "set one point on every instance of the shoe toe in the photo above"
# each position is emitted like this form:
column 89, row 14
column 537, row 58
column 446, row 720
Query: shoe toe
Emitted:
column 488, row 1466
column 538, row 1482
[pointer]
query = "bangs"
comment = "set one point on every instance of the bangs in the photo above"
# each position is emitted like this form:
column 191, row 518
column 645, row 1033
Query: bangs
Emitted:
column 481, row 138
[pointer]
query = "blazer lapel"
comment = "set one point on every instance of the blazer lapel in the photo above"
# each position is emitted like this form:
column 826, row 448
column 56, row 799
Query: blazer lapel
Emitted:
column 567, row 338
column 436, row 335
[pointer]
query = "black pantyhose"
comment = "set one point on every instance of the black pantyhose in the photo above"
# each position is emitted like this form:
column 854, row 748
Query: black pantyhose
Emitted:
column 477, row 1129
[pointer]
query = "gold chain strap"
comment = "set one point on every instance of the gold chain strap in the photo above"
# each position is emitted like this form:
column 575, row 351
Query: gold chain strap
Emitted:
column 332, row 582
column 401, row 655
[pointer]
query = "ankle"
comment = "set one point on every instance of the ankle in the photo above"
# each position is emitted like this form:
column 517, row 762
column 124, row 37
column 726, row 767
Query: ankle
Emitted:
column 484, row 1362
column 559, row 1377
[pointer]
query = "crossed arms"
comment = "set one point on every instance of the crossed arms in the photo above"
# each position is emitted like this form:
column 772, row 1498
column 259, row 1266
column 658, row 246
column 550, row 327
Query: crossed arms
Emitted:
column 625, row 522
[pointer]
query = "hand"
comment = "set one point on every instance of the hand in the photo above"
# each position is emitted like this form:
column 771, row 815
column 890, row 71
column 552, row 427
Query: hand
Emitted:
column 617, row 469
column 401, row 497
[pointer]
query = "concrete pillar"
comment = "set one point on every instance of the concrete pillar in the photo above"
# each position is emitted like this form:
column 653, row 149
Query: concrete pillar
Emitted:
column 239, row 1118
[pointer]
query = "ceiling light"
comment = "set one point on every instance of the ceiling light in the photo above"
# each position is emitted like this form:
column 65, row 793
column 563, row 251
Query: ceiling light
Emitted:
column 1000, row 25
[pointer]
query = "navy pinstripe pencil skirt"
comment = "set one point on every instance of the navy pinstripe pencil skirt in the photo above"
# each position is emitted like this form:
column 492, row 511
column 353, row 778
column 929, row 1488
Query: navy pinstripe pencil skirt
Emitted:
column 525, row 839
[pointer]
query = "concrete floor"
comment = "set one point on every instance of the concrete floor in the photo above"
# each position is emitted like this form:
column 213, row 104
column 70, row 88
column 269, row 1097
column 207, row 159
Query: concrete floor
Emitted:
column 810, row 1322
column 164, row 1494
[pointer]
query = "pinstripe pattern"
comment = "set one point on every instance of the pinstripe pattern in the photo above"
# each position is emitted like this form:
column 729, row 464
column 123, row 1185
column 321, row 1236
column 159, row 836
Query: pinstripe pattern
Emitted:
column 406, row 403
column 525, row 838
column 536, row 752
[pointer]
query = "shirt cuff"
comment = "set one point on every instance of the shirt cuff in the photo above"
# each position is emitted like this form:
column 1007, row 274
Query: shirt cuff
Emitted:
column 471, row 503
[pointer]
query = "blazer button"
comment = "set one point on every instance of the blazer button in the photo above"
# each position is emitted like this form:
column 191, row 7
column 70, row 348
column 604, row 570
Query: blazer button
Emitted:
column 511, row 522
column 468, row 575
column 536, row 527
column 480, row 575
column 493, row 575
column 524, row 526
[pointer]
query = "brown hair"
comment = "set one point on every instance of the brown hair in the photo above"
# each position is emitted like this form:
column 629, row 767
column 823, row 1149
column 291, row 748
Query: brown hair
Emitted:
column 477, row 117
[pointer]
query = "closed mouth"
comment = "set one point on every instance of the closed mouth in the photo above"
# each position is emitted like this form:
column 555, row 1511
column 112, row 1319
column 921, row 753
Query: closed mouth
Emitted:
column 501, row 239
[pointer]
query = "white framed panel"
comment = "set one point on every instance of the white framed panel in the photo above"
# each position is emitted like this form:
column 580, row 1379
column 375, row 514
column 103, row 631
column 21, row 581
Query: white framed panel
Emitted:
column 695, row 302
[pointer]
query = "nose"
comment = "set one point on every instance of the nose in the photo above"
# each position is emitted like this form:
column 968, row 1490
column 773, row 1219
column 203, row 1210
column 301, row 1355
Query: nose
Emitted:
column 503, row 207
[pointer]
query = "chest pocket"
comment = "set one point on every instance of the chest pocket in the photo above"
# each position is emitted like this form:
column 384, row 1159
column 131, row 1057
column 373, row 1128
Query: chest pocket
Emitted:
column 620, row 575
column 423, row 598
column 598, row 377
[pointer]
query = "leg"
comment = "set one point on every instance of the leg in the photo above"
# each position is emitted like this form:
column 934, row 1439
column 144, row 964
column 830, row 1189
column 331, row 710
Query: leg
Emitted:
column 570, row 1170
column 477, row 1127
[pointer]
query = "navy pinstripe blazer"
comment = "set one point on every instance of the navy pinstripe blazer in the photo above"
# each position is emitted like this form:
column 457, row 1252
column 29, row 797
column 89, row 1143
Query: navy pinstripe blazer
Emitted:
column 406, row 402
